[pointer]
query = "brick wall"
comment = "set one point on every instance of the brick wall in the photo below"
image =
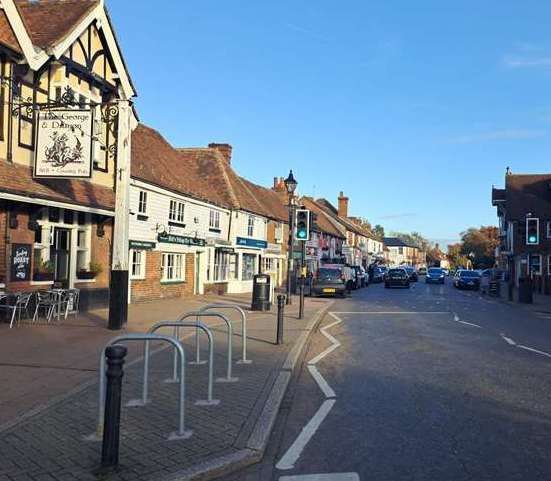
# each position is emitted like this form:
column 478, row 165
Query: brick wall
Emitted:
column 3, row 241
column 151, row 287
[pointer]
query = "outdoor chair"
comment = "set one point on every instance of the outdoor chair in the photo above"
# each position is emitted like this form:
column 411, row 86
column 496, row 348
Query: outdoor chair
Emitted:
column 45, row 301
column 18, row 304
column 70, row 299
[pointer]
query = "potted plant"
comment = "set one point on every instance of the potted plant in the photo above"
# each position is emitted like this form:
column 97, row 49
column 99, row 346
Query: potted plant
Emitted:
column 44, row 271
column 93, row 270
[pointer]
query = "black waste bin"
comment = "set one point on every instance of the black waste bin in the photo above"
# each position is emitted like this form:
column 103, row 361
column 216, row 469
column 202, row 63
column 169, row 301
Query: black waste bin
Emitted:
column 261, row 293
column 525, row 290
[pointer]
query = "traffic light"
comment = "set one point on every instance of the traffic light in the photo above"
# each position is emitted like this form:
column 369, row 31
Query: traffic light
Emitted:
column 532, row 231
column 302, row 223
column 313, row 221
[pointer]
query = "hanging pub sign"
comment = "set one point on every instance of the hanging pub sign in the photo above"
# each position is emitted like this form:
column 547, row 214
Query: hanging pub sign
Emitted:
column 63, row 143
column 20, row 262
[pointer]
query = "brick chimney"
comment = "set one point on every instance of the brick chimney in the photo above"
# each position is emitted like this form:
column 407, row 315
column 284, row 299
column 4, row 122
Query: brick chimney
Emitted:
column 343, row 205
column 224, row 149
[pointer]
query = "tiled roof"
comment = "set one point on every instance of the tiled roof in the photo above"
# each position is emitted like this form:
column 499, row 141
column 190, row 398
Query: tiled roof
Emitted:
column 195, row 172
column 17, row 179
column 527, row 193
column 7, row 36
column 347, row 223
column 395, row 242
column 324, row 221
column 49, row 21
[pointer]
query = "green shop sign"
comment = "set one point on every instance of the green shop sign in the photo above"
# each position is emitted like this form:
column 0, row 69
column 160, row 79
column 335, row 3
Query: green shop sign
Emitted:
column 180, row 239
column 142, row 245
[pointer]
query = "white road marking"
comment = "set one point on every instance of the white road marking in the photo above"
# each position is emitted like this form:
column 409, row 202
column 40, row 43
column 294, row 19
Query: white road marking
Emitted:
column 531, row 349
column 322, row 383
column 322, row 477
column 457, row 319
column 293, row 453
column 508, row 340
column 334, row 342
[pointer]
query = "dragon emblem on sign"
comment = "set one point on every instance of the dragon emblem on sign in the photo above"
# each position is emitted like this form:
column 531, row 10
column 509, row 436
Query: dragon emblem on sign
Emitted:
column 59, row 154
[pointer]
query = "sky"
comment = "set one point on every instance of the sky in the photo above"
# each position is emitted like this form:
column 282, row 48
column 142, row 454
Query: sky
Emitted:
column 412, row 109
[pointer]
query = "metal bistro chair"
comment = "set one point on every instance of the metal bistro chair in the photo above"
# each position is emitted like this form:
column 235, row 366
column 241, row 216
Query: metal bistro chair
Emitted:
column 70, row 300
column 46, row 301
column 20, row 303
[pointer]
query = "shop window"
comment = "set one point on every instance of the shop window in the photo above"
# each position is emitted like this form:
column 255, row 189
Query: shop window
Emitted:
column 137, row 267
column 248, row 269
column 172, row 267
column 176, row 212
column 535, row 264
column 250, row 226
column 214, row 220
column 221, row 265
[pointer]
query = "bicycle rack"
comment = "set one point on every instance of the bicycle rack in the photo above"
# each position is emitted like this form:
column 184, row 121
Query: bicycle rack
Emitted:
column 181, row 433
column 198, row 325
column 243, row 359
column 198, row 314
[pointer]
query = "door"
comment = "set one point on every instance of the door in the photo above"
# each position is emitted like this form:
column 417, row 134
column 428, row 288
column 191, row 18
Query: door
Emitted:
column 60, row 254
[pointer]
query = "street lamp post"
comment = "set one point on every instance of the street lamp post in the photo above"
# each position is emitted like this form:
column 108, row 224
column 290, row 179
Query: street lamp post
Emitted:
column 290, row 186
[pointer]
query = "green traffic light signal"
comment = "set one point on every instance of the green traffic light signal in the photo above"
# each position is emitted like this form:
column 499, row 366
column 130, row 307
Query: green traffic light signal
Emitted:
column 302, row 225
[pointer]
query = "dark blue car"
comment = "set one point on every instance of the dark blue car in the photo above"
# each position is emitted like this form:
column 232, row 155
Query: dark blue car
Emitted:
column 435, row 275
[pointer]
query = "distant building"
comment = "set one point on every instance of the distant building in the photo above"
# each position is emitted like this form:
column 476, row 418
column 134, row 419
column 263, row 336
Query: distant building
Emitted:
column 401, row 252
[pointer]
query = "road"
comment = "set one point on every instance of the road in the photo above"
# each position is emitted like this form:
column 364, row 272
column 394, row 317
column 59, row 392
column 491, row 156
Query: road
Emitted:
column 429, row 383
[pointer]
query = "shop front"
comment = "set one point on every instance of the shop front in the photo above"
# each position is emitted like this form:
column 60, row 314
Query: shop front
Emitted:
column 248, row 252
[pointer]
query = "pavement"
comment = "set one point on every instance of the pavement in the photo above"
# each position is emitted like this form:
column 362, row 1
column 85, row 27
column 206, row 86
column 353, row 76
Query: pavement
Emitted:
column 49, row 396
column 430, row 383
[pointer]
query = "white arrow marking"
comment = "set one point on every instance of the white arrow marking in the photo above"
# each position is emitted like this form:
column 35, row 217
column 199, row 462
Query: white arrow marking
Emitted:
column 508, row 340
column 535, row 350
column 456, row 319
column 322, row 477
column 293, row 453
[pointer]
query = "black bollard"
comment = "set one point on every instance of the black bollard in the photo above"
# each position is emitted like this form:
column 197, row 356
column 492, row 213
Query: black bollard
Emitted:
column 280, row 308
column 112, row 420
column 301, row 300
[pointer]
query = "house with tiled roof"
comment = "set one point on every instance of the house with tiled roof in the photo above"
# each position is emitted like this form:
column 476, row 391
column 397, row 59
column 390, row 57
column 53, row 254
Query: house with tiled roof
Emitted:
column 195, row 225
column 361, row 246
column 65, row 128
column 523, row 208
column 400, row 252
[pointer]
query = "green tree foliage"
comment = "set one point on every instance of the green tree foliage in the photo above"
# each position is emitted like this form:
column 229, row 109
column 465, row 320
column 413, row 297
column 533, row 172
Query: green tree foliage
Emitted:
column 379, row 231
column 480, row 244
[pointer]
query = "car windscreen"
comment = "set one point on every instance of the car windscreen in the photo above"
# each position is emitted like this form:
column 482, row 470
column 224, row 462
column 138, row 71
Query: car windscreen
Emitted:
column 435, row 271
column 469, row 274
column 396, row 272
column 325, row 274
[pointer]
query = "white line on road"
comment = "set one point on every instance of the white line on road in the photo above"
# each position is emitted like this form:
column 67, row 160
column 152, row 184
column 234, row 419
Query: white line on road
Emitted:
column 322, row 383
column 322, row 477
column 508, row 340
column 534, row 350
column 457, row 319
column 334, row 342
column 394, row 312
column 293, row 453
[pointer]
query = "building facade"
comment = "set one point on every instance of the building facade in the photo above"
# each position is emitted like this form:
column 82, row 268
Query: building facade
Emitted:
column 65, row 96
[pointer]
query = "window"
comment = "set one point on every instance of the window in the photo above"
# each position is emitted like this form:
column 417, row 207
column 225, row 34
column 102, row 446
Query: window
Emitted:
column 172, row 267
column 400, row 250
column 142, row 202
column 83, row 254
column 176, row 213
column 250, row 227
column 278, row 234
column 214, row 220
column 535, row 263
column 548, row 229
column 137, row 267
column 268, row 265
column 249, row 264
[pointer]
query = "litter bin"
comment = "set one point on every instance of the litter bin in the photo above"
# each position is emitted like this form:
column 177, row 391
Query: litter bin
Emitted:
column 261, row 293
column 525, row 290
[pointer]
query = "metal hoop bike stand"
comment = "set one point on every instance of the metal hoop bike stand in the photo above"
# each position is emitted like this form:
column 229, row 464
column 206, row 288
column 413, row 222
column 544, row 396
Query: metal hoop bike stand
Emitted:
column 198, row 325
column 181, row 433
column 198, row 314
column 243, row 359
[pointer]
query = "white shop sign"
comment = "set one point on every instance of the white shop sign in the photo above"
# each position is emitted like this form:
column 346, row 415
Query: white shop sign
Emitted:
column 64, row 143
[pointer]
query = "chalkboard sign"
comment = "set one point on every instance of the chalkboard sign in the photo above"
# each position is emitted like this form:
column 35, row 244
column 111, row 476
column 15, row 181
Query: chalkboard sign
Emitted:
column 20, row 262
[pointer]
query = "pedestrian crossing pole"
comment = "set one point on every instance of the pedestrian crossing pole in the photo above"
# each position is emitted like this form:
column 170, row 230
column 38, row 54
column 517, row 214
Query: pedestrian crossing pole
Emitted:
column 118, row 283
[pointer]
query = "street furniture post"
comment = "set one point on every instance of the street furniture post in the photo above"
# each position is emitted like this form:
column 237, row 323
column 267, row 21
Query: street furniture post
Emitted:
column 112, row 421
column 280, row 309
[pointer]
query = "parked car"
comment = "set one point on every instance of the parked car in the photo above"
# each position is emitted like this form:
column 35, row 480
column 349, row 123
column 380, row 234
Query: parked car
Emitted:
column 465, row 279
column 435, row 275
column 446, row 271
column 361, row 277
column 412, row 273
column 329, row 281
column 379, row 274
column 422, row 271
column 397, row 277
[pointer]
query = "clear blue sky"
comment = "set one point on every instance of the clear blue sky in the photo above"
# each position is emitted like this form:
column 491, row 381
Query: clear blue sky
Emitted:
column 414, row 109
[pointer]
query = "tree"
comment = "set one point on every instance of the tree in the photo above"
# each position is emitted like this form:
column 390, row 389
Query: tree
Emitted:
column 379, row 231
column 479, row 245
column 456, row 257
